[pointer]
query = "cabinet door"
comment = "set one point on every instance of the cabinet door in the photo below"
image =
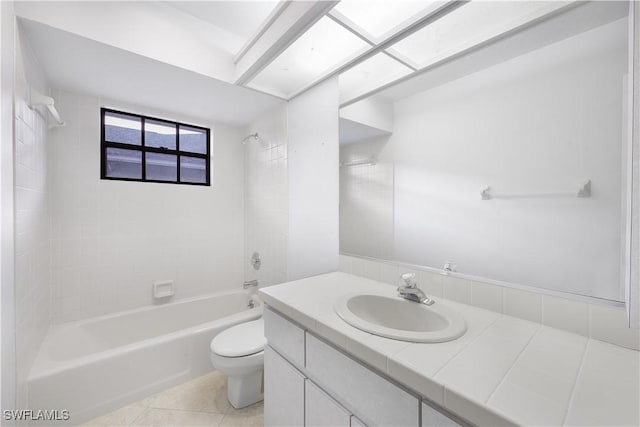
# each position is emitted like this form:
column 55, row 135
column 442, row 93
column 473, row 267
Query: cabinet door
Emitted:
column 433, row 418
column 355, row 422
column 321, row 410
column 283, row 391
column 370, row 397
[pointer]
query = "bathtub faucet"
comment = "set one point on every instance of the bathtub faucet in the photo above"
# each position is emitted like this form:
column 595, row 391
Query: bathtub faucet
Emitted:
column 250, row 284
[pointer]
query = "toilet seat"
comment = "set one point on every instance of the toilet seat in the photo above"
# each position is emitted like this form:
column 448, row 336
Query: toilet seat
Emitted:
column 241, row 340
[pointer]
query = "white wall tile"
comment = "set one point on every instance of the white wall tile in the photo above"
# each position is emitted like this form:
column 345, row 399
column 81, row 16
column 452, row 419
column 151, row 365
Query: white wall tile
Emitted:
column 365, row 268
column 266, row 213
column 566, row 314
column 112, row 240
column 610, row 324
column 431, row 283
column 389, row 273
column 487, row 296
column 344, row 264
column 32, row 220
column 457, row 289
column 523, row 304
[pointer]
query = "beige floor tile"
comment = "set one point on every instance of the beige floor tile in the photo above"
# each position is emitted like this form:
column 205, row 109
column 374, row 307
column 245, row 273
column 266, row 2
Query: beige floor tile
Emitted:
column 176, row 418
column 255, row 409
column 120, row 417
column 197, row 395
column 199, row 402
column 231, row 420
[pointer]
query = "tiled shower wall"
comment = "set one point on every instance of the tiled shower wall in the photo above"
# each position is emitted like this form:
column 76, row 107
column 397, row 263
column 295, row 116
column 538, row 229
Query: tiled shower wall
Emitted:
column 112, row 240
column 266, row 206
column 32, row 220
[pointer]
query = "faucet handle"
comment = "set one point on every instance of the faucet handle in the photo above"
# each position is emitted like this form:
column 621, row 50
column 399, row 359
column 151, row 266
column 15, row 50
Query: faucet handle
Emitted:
column 408, row 279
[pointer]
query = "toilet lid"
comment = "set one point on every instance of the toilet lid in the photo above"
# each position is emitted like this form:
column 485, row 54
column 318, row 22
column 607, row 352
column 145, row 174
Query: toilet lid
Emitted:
column 240, row 340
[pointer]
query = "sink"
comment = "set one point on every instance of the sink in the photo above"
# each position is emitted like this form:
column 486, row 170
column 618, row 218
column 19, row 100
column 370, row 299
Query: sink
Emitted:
column 399, row 319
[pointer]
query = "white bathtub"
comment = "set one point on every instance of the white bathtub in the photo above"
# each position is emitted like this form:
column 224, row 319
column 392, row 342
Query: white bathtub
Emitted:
column 94, row 366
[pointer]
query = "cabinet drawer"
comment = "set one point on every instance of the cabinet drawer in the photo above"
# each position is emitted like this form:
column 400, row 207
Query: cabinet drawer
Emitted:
column 433, row 418
column 373, row 399
column 283, row 392
column 320, row 410
column 284, row 336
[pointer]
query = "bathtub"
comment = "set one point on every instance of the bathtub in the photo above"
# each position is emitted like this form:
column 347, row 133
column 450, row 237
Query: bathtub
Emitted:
column 93, row 366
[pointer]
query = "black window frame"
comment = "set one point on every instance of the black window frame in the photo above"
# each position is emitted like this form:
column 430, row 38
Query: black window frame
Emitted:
column 143, row 149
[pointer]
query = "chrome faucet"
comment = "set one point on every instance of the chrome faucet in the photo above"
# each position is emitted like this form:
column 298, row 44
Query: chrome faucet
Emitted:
column 409, row 290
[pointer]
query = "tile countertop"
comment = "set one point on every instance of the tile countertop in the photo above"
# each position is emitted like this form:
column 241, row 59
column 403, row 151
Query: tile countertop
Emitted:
column 503, row 370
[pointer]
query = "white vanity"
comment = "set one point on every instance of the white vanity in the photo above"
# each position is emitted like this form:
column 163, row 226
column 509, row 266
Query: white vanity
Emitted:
column 310, row 382
column 321, row 371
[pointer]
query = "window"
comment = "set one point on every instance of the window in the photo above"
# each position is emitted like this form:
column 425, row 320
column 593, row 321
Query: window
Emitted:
column 140, row 148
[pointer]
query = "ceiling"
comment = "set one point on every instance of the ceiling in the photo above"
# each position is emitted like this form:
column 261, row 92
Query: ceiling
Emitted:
column 387, row 48
column 242, row 18
column 79, row 64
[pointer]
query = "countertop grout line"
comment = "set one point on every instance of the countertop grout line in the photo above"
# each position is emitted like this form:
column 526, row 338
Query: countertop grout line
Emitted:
column 473, row 340
column 506, row 374
column 575, row 382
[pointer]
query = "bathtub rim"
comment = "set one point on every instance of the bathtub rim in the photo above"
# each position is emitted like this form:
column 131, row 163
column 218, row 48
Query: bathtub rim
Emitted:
column 44, row 367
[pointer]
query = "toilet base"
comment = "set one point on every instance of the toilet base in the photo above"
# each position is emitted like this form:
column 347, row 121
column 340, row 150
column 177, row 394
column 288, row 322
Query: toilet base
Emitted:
column 245, row 390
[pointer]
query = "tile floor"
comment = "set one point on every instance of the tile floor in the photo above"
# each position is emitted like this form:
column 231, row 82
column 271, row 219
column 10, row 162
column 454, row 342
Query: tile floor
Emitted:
column 199, row 402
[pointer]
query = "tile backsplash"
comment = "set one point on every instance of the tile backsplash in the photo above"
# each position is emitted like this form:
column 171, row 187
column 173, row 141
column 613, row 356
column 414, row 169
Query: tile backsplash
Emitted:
column 599, row 321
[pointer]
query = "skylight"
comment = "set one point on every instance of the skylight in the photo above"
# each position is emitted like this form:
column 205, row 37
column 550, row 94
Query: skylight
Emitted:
column 467, row 26
column 378, row 17
column 323, row 48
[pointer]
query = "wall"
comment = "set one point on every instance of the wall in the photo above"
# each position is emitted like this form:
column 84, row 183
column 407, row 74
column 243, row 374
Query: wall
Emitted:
column 366, row 199
column 32, row 217
column 546, row 121
column 112, row 240
column 312, row 155
column 265, row 198
column 7, row 289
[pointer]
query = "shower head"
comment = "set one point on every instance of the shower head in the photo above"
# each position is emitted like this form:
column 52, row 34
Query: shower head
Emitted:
column 253, row 136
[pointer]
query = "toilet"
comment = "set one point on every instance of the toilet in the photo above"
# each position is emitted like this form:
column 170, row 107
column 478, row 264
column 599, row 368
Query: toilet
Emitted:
column 238, row 352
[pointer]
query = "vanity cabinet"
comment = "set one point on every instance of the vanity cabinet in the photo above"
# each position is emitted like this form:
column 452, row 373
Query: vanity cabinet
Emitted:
column 308, row 382
column 321, row 410
column 283, row 391
column 433, row 418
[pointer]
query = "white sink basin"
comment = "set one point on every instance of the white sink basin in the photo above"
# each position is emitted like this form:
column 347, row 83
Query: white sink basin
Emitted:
column 397, row 318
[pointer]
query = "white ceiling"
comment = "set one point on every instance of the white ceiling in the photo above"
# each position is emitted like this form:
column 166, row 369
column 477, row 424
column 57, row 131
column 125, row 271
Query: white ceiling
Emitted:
column 79, row 64
column 351, row 132
column 242, row 18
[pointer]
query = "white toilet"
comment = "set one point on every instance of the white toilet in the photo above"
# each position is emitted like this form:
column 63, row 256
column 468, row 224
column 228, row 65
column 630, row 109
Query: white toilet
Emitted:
column 238, row 352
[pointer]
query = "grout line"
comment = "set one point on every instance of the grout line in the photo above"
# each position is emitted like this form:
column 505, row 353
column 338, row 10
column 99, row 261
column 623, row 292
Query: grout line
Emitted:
column 575, row 381
column 469, row 344
column 524, row 348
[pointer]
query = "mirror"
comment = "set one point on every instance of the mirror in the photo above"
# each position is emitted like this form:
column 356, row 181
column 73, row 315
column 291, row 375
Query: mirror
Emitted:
column 507, row 161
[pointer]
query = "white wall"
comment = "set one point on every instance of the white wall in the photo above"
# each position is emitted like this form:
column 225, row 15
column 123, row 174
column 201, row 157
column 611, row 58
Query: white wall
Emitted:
column 266, row 198
column 373, row 112
column 312, row 131
column 546, row 121
column 7, row 290
column 112, row 240
column 32, row 217
column 366, row 199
